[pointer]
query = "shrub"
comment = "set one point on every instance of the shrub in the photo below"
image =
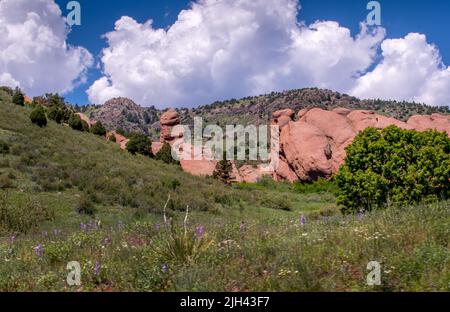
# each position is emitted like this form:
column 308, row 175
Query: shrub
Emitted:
column 85, row 126
column 4, row 147
column 5, row 182
column 121, row 132
column 320, row 186
column 56, row 106
column 112, row 138
column 98, row 129
column 139, row 144
column 222, row 172
column 85, row 206
column 75, row 122
column 18, row 97
column 7, row 90
column 38, row 117
column 165, row 154
column 394, row 166
column 22, row 215
column 55, row 114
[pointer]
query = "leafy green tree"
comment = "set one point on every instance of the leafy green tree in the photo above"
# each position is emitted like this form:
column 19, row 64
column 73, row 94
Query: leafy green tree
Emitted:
column 85, row 126
column 56, row 114
column 7, row 90
column 18, row 97
column 75, row 122
column 222, row 172
column 121, row 131
column 394, row 166
column 165, row 154
column 98, row 129
column 38, row 117
column 139, row 144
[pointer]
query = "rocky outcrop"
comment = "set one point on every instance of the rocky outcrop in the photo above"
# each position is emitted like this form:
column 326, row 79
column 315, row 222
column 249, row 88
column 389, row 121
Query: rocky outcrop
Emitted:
column 311, row 146
column 433, row 122
column 125, row 114
column 86, row 119
column 168, row 120
column 314, row 145
column 362, row 119
column 120, row 139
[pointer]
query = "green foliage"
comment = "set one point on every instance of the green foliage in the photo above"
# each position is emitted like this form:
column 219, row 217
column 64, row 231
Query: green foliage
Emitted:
column 22, row 214
column 18, row 97
column 222, row 172
column 57, row 109
column 98, row 129
column 112, row 138
column 38, row 117
column 76, row 123
column 4, row 147
column 139, row 144
column 7, row 90
column 85, row 126
column 122, row 132
column 394, row 166
column 319, row 186
column 165, row 154
column 86, row 206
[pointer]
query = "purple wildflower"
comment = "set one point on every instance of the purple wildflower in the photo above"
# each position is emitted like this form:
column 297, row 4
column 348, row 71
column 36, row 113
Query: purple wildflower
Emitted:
column 38, row 250
column 165, row 268
column 97, row 267
column 12, row 239
column 199, row 231
column 302, row 220
column 242, row 227
column 83, row 226
column 361, row 215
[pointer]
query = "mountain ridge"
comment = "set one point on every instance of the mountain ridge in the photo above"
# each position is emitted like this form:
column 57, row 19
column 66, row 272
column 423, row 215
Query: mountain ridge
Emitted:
column 123, row 113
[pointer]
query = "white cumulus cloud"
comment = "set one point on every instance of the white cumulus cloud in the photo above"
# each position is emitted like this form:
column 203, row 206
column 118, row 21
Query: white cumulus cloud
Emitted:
column 34, row 53
column 411, row 69
column 223, row 49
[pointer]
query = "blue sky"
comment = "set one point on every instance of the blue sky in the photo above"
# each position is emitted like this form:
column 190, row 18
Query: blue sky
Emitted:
column 198, row 62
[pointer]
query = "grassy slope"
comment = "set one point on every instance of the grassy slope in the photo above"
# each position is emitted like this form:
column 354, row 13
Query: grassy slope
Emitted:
column 49, row 172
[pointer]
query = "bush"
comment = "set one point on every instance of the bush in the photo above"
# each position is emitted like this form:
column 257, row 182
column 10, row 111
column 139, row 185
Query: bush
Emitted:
column 56, row 106
column 55, row 114
column 38, row 117
column 4, row 147
column 121, row 132
column 18, row 97
column 394, row 166
column 5, row 182
column 165, row 154
column 85, row 126
column 112, row 138
column 222, row 172
column 139, row 144
column 98, row 129
column 85, row 206
column 22, row 214
column 75, row 122
column 7, row 90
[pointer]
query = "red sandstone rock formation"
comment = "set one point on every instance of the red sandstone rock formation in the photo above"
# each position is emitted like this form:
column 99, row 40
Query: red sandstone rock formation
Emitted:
column 435, row 122
column 120, row 139
column 312, row 146
column 86, row 119
column 168, row 120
